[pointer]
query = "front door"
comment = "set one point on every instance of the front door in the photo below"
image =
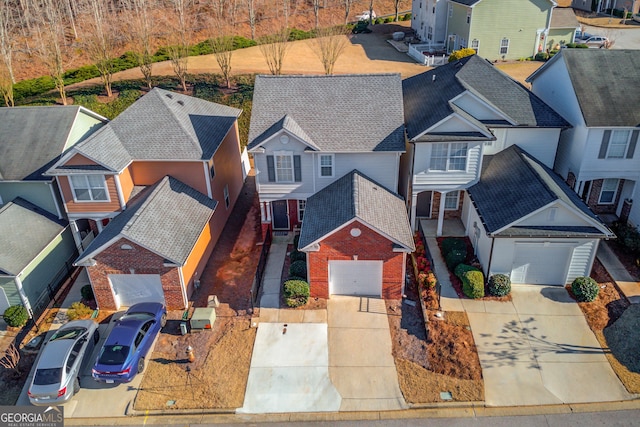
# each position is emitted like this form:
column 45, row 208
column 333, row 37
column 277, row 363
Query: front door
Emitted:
column 280, row 211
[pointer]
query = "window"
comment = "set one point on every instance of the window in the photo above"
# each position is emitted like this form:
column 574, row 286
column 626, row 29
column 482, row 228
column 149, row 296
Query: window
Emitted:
column 302, row 204
column 212, row 171
column 226, row 196
column 608, row 191
column 451, row 201
column 475, row 45
column 504, row 46
column 618, row 144
column 326, row 165
column 284, row 167
column 449, row 157
column 89, row 188
column 450, row 11
column 433, row 10
column 468, row 16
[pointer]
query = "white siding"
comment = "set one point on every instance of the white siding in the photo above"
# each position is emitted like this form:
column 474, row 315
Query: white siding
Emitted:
column 541, row 143
column 582, row 260
column 425, row 180
column 380, row 167
column 556, row 215
column 594, row 168
column 568, row 156
column 483, row 245
column 478, row 109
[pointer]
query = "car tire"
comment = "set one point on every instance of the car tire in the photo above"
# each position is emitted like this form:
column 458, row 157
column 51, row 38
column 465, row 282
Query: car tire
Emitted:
column 163, row 320
column 141, row 365
column 76, row 385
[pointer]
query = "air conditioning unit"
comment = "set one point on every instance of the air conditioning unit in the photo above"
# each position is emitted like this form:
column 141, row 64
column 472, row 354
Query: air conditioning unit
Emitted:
column 196, row 284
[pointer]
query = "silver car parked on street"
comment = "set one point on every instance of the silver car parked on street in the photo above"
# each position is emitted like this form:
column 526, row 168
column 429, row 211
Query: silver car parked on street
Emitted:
column 57, row 374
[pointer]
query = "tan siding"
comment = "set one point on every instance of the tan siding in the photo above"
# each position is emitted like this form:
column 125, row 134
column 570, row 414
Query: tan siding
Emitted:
column 72, row 207
column 126, row 183
column 79, row 160
column 148, row 173
column 198, row 258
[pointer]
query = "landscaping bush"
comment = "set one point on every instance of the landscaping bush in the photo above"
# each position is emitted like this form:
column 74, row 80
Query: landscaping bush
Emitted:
column 296, row 34
column 296, row 292
column 585, row 289
column 79, row 311
column 450, row 243
column 378, row 21
column 406, row 17
column 296, row 255
column 296, row 239
column 499, row 285
column 87, row 293
column 454, row 258
column 542, row 56
column 16, row 316
column 577, row 45
column 462, row 53
column 628, row 236
column 361, row 27
column 473, row 284
column 461, row 269
column 298, row 268
column 388, row 19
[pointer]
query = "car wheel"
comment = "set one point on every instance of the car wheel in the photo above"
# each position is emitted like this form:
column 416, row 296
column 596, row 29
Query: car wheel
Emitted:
column 163, row 320
column 76, row 385
column 141, row 365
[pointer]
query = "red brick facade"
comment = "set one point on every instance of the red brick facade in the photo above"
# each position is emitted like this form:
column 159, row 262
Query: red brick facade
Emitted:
column 594, row 196
column 115, row 260
column 435, row 207
column 368, row 246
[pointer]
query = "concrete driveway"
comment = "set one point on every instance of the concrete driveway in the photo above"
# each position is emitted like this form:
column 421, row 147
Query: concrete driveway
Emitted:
column 538, row 350
column 361, row 365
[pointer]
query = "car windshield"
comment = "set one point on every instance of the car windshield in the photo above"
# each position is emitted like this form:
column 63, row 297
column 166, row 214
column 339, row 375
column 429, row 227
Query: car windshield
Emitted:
column 47, row 376
column 113, row 354
column 138, row 316
column 67, row 334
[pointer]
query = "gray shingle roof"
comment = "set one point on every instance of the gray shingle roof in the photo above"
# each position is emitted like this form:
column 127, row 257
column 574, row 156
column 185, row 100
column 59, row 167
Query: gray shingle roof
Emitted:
column 290, row 125
column 563, row 17
column 161, row 125
column 337, row 113
column 166, row 218
column 514, row 184
column 530, row 231
column 355, row 196
column 31, row 138
column 20, row 243
column 606, row 84
column 426, row 101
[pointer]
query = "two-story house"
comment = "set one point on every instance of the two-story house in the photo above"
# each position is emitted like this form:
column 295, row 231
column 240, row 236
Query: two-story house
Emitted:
column 149, row 194
column 322, row 147
column 597, row 156
column 481, row 148
column 497, row 30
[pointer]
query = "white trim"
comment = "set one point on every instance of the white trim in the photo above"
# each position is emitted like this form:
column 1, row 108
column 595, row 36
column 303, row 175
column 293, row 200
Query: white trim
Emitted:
column 486, row 104
column 615, row 192
column 449, row 158
column 182, row 287
column 207, row 179
column 626, row 147
column 457, row 192
column 123, row 205
column 283, row 153
column 73, row 193
column 277, row 135
column 53, row 196
column 320, row 166
column 23, row 295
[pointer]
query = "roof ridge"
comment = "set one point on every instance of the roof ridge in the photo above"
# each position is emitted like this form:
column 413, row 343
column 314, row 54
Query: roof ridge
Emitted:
column 169, row 95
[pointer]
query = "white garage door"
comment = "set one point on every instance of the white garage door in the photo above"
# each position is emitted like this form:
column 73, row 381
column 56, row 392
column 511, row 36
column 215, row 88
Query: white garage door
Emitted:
column 355, row 278
column 131, row 289
column 541, row 263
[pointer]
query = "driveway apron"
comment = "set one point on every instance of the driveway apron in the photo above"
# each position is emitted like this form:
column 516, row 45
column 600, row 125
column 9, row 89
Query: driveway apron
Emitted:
column 538, row 349
column 361, row 364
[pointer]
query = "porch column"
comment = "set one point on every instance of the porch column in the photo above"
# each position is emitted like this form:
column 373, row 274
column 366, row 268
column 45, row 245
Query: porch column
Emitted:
column 99, row 225
column 263, row 215
column 267, row 206
column 76, row 235
column 414, row 202
column 443, row 196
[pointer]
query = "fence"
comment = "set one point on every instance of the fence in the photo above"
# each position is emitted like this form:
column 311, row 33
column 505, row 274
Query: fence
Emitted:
column 51, row 294
column 417, row 52
column 430, row 258
column 257, row 280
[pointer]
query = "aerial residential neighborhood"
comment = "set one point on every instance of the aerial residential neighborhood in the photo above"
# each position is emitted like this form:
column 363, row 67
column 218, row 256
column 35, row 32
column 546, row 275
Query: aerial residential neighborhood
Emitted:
column 401, row 236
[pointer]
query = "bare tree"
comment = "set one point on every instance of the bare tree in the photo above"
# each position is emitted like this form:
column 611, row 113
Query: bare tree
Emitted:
column 396, row 5
column 316, row 12
column 329, row 44
column 6, row 86
column 347, row 9
column 370, row 12
column 180, row 39
column 11, row 358
column 141, row 36
column 274, row 48
column 100, row 38
column 8, row 33
column 222, row 47
column 48, row 35
column 251, row 9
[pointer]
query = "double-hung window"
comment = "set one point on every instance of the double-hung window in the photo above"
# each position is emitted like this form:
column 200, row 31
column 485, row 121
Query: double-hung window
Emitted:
column 504, row 46
column 608, row 191
column 284, row 167
column 451, row 201
column 449, row 157
column 618, row 144
column 89, row 188
column 302, row 204
column 475, row 45
column 326, row 165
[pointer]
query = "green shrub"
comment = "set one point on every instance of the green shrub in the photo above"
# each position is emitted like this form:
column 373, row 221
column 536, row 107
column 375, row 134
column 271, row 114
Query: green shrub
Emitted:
column 585, row 289
column 296, row 255
column 298, row 268
column 79, row 311
column 542, row 56
column 296, row 34
column 361, row 27
column 406, row 17
column 296, row 292
column 454, row 258
column 378, row 21
column 87, row 293
column 450, row 243
column 32, row 87
column 389, row 19
column 461, row 269
column 16, row 316
column 628, row 236
column 499, row 285
column 462, row 53
column 473, row 284
column 240, row 42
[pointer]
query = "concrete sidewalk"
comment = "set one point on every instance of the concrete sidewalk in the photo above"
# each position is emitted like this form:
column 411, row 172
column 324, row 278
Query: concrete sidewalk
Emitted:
column 625, row 281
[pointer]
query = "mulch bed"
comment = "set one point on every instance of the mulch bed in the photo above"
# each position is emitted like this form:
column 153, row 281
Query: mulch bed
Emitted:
column 313, row 303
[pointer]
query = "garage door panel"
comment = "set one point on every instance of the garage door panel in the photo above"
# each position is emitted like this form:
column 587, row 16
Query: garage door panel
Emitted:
column 130, row 289
column 355, row 278
column 541, row 264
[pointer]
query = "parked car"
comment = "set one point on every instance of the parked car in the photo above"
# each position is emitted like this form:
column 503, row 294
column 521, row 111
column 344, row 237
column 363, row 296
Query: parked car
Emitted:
column 122, row 355
column 364, row 16
column 580, row 36
column 56, row 378
column 596, row 42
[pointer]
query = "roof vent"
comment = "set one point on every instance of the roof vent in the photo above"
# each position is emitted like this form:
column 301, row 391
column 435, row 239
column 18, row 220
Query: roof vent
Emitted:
column 181, row 102
column 433, row 78
column 169, row 95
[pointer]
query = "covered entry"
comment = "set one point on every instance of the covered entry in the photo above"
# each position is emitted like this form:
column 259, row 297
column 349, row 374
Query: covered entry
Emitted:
column 355, row 278
column 130, row 289
column 541, row 263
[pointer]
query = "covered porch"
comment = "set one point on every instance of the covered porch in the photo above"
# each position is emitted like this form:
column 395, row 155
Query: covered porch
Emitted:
column 450, row 227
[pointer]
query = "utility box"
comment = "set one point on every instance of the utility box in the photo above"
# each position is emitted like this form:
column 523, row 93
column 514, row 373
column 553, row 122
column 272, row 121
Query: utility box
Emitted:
column 203, row 318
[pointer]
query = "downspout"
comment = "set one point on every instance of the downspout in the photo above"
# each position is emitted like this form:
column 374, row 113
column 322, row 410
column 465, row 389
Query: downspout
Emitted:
column 183, row 288
column 493, row 240
column 55, row 199
column 207, row 179
column 123, row 205
column 23, row 295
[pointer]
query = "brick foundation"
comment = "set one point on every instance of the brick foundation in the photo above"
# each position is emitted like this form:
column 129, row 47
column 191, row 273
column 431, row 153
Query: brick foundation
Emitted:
column 594, row 195
column 435, row 207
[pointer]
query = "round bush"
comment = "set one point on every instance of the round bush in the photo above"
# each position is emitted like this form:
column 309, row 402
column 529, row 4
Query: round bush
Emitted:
column 298, row 268
column 297, row 256
column 87, row 293
column 16, row 316
column 452, row 243
column 585, row 289
column 499, row 285
column 79, row 311
column 296, row 292
column 473, row 284
column 454, row 258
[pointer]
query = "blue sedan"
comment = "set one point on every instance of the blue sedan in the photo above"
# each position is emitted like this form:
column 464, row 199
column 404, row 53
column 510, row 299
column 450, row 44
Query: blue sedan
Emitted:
column 123, row 353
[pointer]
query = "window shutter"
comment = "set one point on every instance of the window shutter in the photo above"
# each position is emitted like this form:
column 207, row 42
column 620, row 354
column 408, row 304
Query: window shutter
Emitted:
column 297, row 171
column 605, row 144
column 271, row 170
column 632, row 144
